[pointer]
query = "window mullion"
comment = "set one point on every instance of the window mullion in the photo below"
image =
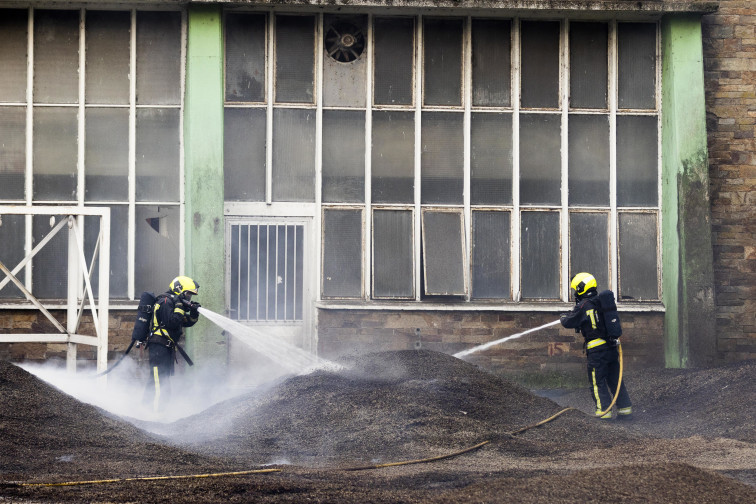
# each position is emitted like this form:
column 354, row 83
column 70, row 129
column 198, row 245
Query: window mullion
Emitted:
column 612, row 95
column 131, row 253
column 564, row 217
column 269, row 110
column 366, row 213
column 29, row 168
column 318, row 224
column 182, row 197
column 467, row 97
column 515, row 219
column 418, row 156
column 73, row 262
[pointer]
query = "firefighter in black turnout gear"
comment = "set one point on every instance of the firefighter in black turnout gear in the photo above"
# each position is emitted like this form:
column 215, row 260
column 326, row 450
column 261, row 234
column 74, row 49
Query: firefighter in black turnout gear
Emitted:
column 172, row 311
column 588, row 318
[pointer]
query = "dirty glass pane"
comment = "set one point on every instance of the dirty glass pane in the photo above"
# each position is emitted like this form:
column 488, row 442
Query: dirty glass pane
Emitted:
column 13, row 40
column 393, row 157
column 342, row 253
column 637, row 161
column 55, row 153
column 50, row 265
column 393, row 60
column 491, row 159
column 491, row 62
column 12, row 152
column 108, row 56
column 491, row 255
column 540, row 255
column 56, row 56
column 636, row 47
column 293, row 273
column 12, row 239
column 245, row 57
column 588, row 65
column 393, row 256
column 540, row 64
column 442, row 157
column 295, row 59
column 443, row 254
column 157, row 154
column 540, row 159
column 638, row 257
column 119, row 232
column 157, row 247
column 293, row 155
column 442, row 62
column 589, row 246
column 345, row 60
column 158, row 58
column 107, row 154
column 589, row 159
column 343, row 156
column 244, row 154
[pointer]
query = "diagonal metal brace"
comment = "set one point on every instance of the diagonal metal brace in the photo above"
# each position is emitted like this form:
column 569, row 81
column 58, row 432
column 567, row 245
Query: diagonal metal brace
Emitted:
column 33, row 299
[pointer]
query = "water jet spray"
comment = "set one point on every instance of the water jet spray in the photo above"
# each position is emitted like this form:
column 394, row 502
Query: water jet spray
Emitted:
column 484, row 346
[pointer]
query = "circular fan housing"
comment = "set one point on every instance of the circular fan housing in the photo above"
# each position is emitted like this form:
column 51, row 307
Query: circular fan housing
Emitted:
column 344, row 42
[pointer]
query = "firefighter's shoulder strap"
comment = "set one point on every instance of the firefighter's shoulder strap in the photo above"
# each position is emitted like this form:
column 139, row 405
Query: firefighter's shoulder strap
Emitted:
column 159, row 330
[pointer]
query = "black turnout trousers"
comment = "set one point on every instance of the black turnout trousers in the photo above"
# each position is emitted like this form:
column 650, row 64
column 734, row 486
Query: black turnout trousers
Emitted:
column 603, row 374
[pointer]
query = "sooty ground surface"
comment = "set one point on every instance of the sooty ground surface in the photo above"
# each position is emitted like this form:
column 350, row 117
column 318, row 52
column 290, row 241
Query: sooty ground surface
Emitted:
column 692, row 440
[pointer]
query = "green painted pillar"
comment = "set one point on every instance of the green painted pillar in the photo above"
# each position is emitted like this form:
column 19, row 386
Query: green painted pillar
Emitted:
column 203, row 154
column 687, row 256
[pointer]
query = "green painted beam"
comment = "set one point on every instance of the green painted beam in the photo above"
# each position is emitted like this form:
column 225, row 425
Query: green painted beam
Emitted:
column 687, row 256
column 203, row 155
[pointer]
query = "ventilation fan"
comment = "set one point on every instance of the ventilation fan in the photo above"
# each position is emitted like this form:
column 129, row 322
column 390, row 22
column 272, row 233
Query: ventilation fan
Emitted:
column 344, row 42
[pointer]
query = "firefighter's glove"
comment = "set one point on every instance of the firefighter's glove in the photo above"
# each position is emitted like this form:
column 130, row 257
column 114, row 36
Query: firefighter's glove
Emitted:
column 194, row 309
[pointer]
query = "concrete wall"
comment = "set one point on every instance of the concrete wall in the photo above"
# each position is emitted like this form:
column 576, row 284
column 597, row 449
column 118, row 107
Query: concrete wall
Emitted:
column 730, row 74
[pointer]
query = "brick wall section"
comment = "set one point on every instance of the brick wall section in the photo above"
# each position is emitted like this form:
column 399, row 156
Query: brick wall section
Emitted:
column 555, row 349
column 729, row 38
column 33, row 321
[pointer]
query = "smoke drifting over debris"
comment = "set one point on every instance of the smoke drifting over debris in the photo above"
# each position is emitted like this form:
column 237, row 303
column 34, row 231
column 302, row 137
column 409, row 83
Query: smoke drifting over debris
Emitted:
column 383, row 407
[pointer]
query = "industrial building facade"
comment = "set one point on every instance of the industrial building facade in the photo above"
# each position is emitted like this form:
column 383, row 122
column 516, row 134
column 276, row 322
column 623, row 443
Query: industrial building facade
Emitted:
column 369, row 177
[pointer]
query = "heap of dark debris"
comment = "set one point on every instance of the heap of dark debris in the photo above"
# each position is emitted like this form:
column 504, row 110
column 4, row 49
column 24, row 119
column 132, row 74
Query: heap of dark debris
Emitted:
column 385, row 407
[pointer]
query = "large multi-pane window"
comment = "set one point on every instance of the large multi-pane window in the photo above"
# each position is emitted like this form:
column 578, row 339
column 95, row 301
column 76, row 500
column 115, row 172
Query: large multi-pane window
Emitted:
column 452, row 158
column 90, row 114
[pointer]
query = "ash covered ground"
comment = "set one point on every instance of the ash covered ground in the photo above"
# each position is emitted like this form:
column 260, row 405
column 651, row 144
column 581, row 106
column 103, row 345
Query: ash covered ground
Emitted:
column 693, row 440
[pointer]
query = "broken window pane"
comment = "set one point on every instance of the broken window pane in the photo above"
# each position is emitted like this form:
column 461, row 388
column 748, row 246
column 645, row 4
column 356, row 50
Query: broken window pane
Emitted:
column 636, row 60
column 245, row 57
column 12, row 240
column 491, row 62
column 393, row 157
column 119, row 232
column 13, row 152
column 158, row 65
column 394, row 57
column 637, row 161
column 589, row 246
column 638, row 257
column 345, row 60
column 295, row 58
column 55, row 153
column 107, row 154
column 342, row 253
column 157, row 154
column 442, row 62
column 540, row 64
column 157, row 247
column 589, row 159
column 343, row 156
column 244, row 154
column 50, row 265
column 293, row 161
column 540, row 255
column 588, row 65
column 108, row 56
column 13, row 40
column 56, row 56
column 490, row 255
column 442, row 157
column 443, row 254
column 393, row 254
column 491, row 159
column 540, row 158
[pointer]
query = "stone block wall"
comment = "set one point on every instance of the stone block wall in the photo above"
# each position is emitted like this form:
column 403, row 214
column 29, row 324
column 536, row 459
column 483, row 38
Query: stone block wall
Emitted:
column 729, row 38
column 553, row 349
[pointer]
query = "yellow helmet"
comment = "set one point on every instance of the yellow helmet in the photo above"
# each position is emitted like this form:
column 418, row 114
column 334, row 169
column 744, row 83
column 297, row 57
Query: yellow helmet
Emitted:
column 582, row 282
column 182, row 285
